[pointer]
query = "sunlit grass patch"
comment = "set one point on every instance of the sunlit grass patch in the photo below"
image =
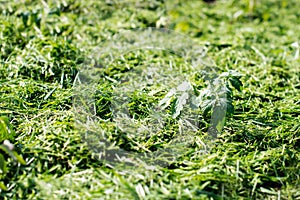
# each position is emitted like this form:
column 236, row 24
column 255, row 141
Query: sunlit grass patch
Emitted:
column 43, row 46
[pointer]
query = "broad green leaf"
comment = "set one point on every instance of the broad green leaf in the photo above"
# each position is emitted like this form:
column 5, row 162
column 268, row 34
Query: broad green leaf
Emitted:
column 234, row 73
column 19, row 158
column 5, row 149
column 218, row 117
column 184, row 86
column 230, row 108
column 195, row 102
column 206, row 106
column 2, row 164
column 13, row 154
column 2, row 186
column 224, row 74
column 236, row 83
column 165, row 102
column 6, row 131
column 180, row 102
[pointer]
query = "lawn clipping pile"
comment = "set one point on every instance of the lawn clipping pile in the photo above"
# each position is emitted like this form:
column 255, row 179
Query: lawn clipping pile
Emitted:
column 211, row 112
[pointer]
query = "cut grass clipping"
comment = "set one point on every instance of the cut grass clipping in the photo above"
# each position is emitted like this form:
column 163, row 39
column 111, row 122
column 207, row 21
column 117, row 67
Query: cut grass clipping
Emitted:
column 42, row 47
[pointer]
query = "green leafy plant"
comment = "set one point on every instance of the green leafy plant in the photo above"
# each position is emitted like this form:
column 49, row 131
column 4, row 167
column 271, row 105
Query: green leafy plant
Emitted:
column 217, row 98
column 6, row 131
column 6, row 134
column 214, row 99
